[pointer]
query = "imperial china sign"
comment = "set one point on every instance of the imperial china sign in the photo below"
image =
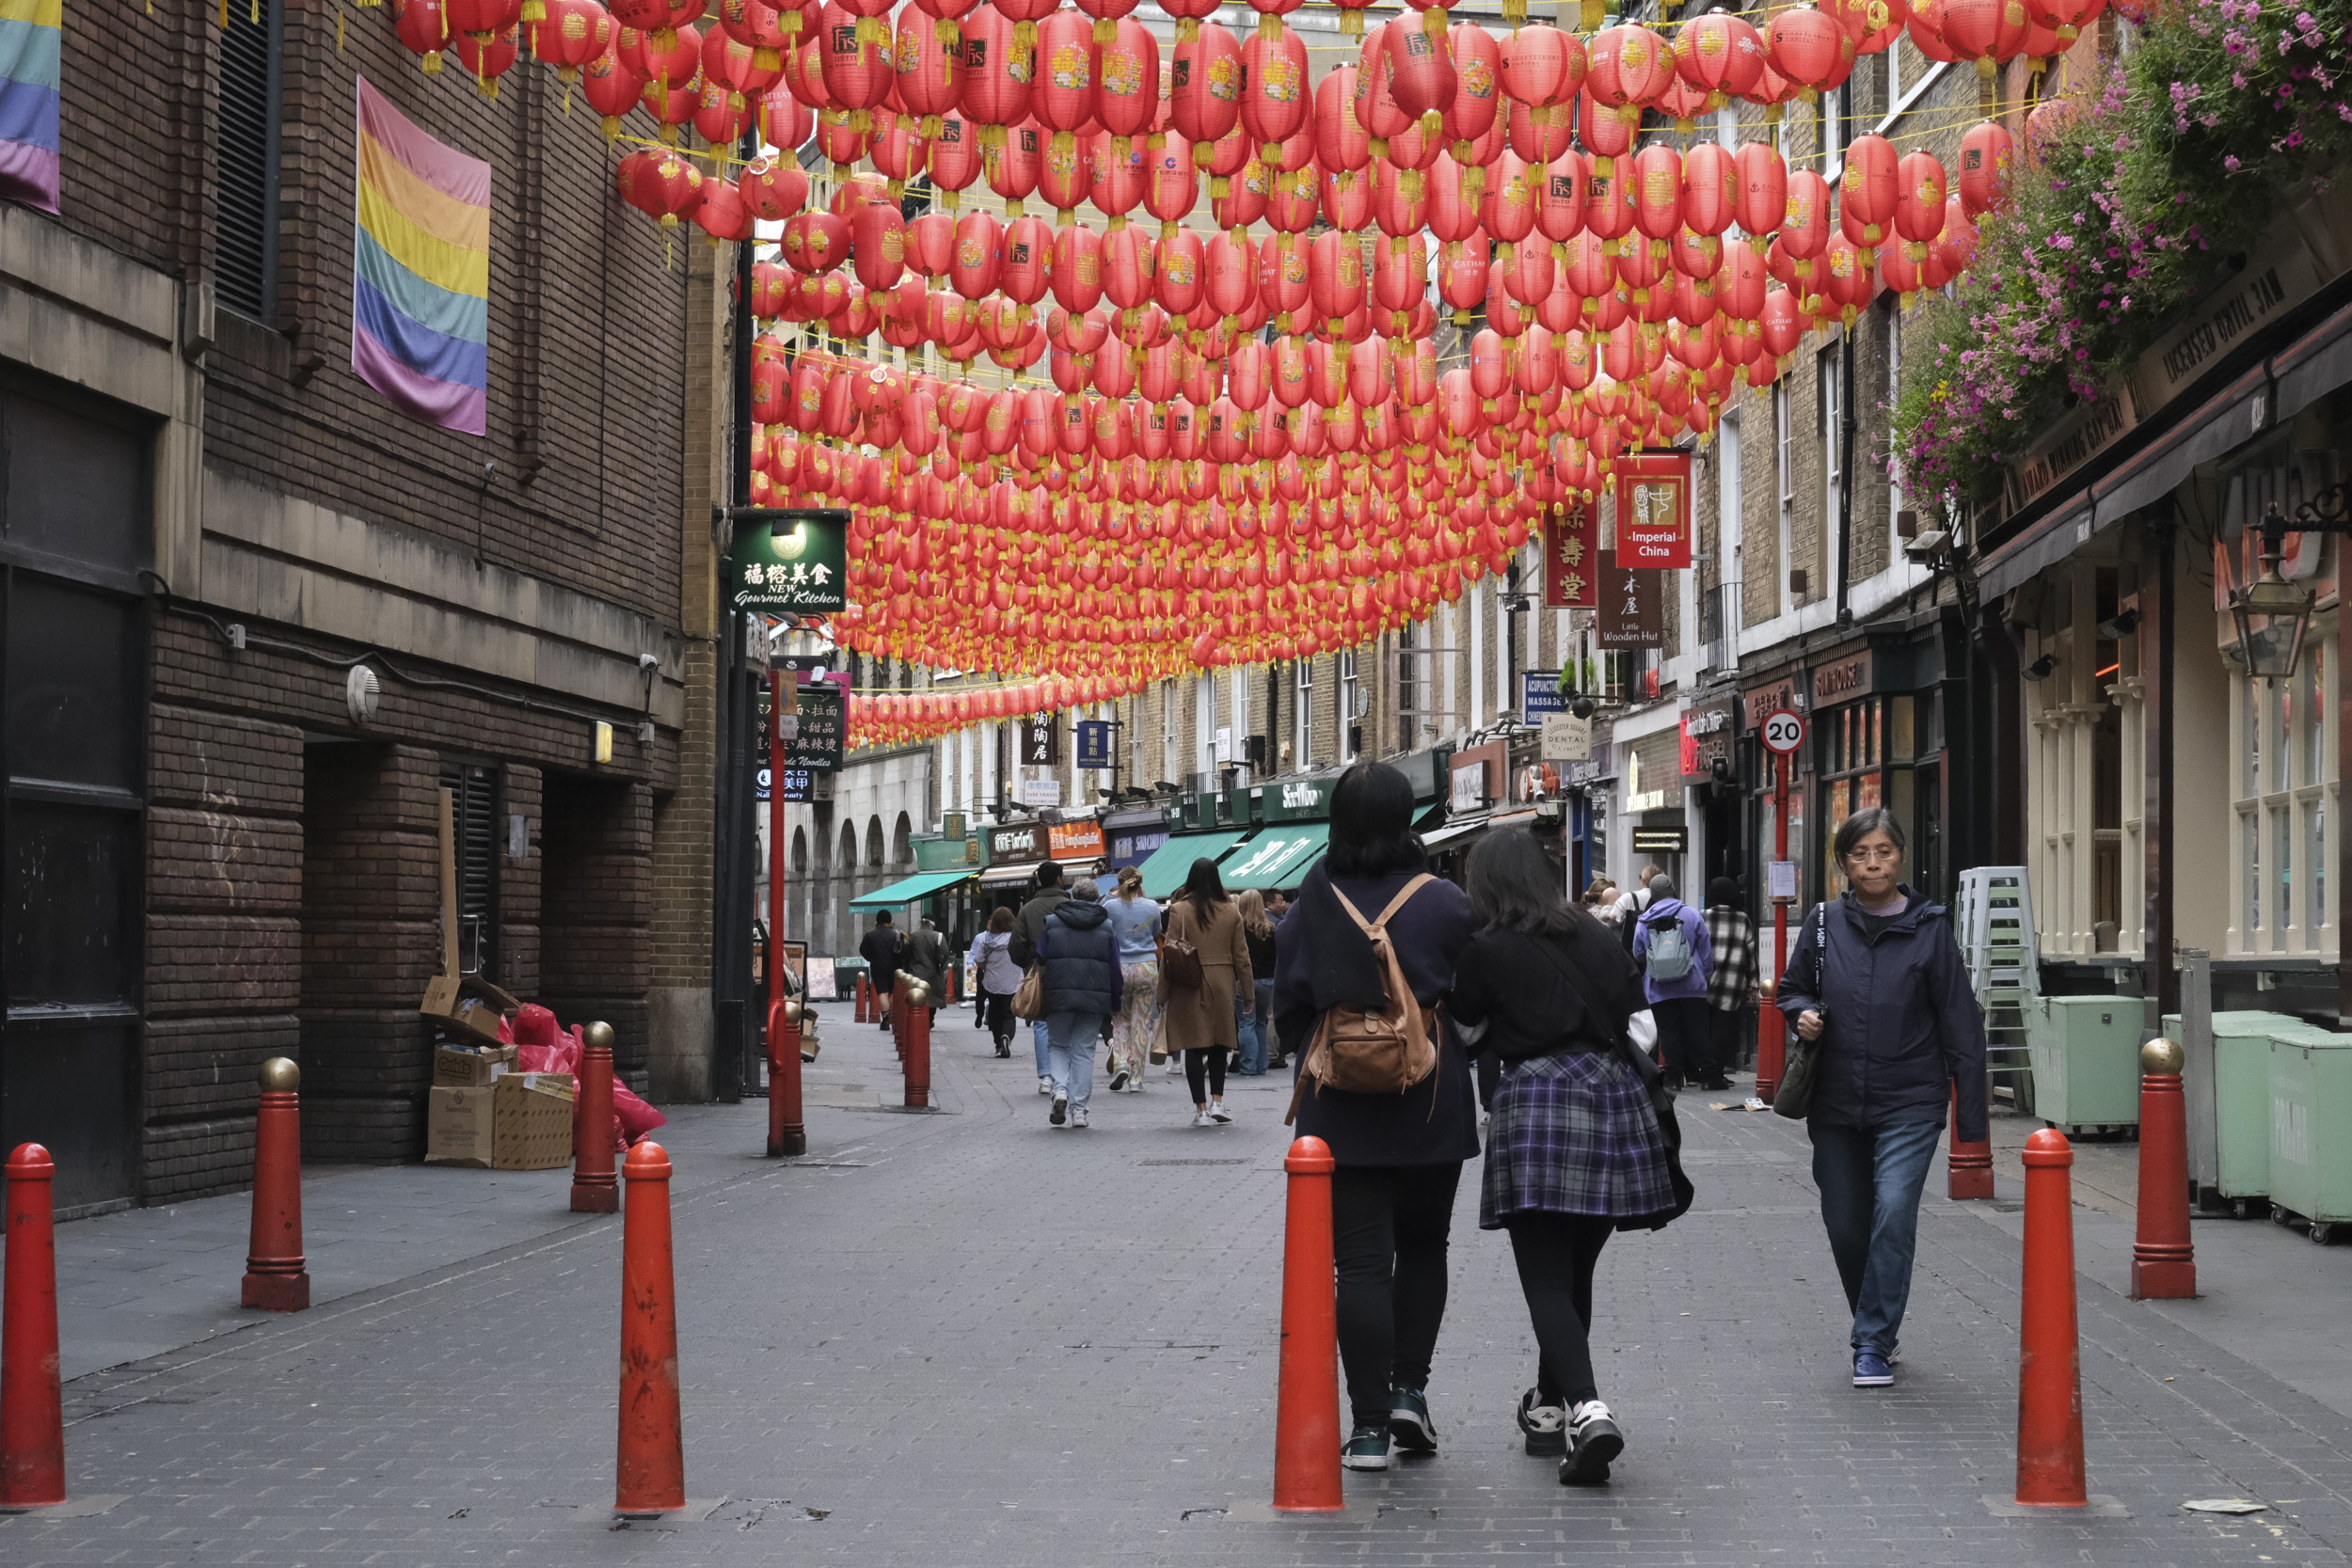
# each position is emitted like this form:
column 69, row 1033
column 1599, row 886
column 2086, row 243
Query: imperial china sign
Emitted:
column 1653, row 510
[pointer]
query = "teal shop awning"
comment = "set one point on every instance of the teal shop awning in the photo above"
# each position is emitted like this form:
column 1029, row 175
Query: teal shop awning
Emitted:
column 921, row 885
column 1171, row 862
column 1275, row 857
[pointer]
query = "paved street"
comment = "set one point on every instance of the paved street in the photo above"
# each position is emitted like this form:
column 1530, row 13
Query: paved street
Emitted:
column 967, row 1338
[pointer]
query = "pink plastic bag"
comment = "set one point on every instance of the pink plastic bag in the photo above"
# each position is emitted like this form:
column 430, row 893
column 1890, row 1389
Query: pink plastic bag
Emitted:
column 542, row 1045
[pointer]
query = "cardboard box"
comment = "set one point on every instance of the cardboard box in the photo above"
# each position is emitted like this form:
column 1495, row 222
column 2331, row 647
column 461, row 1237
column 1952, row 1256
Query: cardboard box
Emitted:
column 467, row 1007
column 458, row 1068
column 459, row 1126
column 534, row 1129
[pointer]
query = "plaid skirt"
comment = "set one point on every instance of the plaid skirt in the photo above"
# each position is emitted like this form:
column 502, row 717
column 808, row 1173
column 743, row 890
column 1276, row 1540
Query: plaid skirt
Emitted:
column 1573, row 1134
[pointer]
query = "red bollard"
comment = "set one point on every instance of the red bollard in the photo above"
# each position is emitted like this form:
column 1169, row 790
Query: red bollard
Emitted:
column 788, row 1133
column 2049, row 1349
column 32, row 1412
column 1772, row 1046
column 593, row 1191
column 2164, row 1263
column 915, row 1002
column 898, row 1015
column 1307, row 1399
column 864, row 993
column 1969, row 1165
column 650, row 1476
column 274, row 1278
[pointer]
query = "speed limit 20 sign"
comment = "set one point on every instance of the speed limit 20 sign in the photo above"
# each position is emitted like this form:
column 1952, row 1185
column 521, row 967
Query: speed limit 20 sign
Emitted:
column 1782, row 732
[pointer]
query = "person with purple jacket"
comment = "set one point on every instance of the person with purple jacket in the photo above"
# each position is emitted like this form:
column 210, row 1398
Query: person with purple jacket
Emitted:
column 1671, row 946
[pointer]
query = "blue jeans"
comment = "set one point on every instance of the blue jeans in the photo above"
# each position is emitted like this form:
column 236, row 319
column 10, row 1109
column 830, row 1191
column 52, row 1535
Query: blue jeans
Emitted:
column 1250, row 1026
column 1038, row 1038
column 1071, row 1054
column 1871, row 1180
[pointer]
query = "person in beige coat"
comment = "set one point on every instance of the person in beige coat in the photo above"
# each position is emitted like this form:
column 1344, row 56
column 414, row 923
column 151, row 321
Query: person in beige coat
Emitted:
column 1200, row 1020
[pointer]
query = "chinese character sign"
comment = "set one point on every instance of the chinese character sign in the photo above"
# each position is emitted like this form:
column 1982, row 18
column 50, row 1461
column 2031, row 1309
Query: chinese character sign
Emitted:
column 791, row 561
column 1653, row 510
column 1571, row 551
column 1095, row 743
column 1039, row 731
column 1632, row 611
column 817, row 746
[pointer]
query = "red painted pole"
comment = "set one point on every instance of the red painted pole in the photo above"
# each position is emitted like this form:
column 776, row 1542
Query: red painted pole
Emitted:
column 275, row 1277
column 1306, row 1398
column 898, row 1016
column 593, row 1190
column 2049, row 1348
column 916, row 999
column 1772, row 1028
column 787, row 1134
column 1968, row 1171
column 32, row 1411
column 865, row 1011
column 2164, row 1263
column 650, row 1476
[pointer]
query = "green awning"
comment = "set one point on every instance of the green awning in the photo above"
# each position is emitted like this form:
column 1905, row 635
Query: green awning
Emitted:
column 1171, row 862
column 921, row 885
column 1272, row 858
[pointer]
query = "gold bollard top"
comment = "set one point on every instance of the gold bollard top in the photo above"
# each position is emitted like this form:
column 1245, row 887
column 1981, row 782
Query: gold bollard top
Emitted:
column 793, row 1011
column 597, row 1037
column 280, row 1075
column 2161, row 1056
column 919, row 993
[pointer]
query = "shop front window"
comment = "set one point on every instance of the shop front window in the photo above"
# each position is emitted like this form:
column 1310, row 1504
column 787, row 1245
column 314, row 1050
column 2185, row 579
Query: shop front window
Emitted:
column 2287, row 785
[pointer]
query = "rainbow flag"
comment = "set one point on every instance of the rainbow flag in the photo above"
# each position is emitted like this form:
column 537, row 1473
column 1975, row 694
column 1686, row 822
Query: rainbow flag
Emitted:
column 420, row 288
column 29, row 38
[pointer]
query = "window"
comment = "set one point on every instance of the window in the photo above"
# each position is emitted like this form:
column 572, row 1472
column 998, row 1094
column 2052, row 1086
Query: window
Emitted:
column 1351, row 706
column 251, row 61
column 1204, row 723
column 1407, row 690
column 473, row 808
column 1302, row 715
column 1785, row 467
column 1837, row 103
column 1893, row 395
column 1829, row 386
column 2286, row 779
column 1167, row 730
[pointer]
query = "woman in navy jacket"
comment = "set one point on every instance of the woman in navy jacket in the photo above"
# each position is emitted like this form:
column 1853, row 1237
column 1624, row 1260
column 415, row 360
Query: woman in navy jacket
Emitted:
column 1876, row 978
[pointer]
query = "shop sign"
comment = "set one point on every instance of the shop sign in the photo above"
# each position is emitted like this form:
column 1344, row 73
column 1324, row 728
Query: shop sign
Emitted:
column 1095, row 743
column 1016, row 843
column 1075, row 841
column 1707, row 734
column 1293, row 799
column 1038, row 733
column 1540, row 694
column 2280, row 273
column 1842, row 680
column 1571, row 556
column 1567, row 737
column 1661, row 841
column 1653, row 510
column 1473, row 779
column 1632, row 611
column 1132, row 849
column 1039, row 786
column 791, row 561
column 1762, row 700
column 815, row 746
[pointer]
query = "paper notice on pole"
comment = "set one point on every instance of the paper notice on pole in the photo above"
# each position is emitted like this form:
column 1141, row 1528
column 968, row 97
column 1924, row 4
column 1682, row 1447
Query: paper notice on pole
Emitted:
column 1567, row 737
column 1781, row 878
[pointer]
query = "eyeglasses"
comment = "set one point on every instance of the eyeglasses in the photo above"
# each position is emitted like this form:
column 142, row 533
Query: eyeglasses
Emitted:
column 1887, row 854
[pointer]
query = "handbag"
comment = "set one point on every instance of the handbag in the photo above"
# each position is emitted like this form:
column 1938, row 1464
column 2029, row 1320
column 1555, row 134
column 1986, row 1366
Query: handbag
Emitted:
column 1180, row 960
column 1028, row 1002
column 1793, row 1096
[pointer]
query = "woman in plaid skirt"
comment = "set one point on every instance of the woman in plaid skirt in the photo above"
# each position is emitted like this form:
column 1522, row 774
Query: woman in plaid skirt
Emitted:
column 1582, row 1140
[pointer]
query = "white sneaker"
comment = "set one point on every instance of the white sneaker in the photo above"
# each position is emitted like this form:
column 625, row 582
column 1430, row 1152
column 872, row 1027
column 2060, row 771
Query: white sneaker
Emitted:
column 1218, row 1111
column 1044, row 1083
column 1201, row 1118
column 1077, row 1116
column 1118, row 1077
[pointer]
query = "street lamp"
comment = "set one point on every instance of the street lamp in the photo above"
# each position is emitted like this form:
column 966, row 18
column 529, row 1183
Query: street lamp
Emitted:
column 2273, row 615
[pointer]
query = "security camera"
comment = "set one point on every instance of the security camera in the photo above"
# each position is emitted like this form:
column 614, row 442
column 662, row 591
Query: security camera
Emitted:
column 647, row 661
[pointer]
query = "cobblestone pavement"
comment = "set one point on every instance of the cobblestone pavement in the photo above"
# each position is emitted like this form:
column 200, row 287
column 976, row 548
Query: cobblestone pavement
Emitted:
column 968, row 1338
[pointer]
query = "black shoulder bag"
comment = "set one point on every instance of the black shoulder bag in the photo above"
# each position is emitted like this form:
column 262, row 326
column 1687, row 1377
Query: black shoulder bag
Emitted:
column 1793, row 1097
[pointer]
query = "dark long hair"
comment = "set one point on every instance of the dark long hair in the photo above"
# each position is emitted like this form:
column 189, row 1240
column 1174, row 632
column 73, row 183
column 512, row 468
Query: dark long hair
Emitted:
column 1514, row 885
column 1372, row 824
column 1204, row 887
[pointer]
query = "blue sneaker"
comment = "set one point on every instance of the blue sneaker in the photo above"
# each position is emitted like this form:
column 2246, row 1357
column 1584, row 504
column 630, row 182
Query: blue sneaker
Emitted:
column 1410, row 1422
column 1367, row 1448
column 1871, row 1369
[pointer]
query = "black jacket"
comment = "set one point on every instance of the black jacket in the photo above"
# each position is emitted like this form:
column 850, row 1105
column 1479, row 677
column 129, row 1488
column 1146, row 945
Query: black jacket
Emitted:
column 1507, row 981
column 880, row 950
column 1030, row 920
column 1904, row 1029
column 1081, row 957
column 923, row 959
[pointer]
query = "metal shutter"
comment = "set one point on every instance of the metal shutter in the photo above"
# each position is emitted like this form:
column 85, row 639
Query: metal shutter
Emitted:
column 473, row 792
column 251, row 58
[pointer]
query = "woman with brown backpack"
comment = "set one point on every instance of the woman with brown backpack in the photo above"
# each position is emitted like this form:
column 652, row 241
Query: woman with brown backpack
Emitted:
column 1205, row 971
column 1387, row 1087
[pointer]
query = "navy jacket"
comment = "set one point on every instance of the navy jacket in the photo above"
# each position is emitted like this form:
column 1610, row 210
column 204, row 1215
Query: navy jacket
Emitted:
column 1904, row 1029
column 1081, row 956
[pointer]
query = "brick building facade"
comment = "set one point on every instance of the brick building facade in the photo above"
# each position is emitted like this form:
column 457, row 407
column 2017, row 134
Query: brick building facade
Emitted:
column 272, row 528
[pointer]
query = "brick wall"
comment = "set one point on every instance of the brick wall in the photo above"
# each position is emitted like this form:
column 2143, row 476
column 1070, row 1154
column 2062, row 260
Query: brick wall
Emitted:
column 596, row 957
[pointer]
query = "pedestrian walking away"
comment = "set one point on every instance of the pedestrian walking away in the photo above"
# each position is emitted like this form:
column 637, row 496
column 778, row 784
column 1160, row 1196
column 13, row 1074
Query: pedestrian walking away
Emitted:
column 1082, row 987
column 1398, row 1157
column 979, row 990
column 1731, row 982
column 1136, row 919
column 1027, row 926
column 1875, row 983
column 1253, row 1022
column 925, row 959
column 1629, row 906
column 999, row 977
column 1582, row 1139
column 1202, row 992
column 882, row 950
column 1670, row 944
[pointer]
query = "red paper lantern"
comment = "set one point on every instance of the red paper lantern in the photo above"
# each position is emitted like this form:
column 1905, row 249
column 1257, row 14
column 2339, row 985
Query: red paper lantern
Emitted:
column 1629, row 66
column 996, row 72
column 1719, row 54
column 1984, row 159
column 660, row 185
column 1868, row 190
column 1985, row 31
column 1543, row 67
column 1478, row 76
column 1420, row 72
column 1274, row 91
column 1204, row 94
column 1809, row 48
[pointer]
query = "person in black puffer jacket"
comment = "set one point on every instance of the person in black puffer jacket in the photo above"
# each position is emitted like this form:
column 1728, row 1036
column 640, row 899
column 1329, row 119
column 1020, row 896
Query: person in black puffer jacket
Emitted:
column 1082, row 990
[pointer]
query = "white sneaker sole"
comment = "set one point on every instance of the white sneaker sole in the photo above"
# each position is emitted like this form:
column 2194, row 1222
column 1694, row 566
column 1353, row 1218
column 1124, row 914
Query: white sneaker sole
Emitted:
column 1359, row 1462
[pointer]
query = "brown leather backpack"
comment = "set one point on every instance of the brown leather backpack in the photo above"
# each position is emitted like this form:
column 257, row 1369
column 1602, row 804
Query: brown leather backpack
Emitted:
column 1385, row 1049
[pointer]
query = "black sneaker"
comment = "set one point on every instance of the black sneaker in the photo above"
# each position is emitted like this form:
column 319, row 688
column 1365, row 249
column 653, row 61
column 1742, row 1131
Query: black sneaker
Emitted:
column 1366, row 1449
column 1546, row 1426
column 1594, row 1440
column 1060, row 1113
column 1410, row 1422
